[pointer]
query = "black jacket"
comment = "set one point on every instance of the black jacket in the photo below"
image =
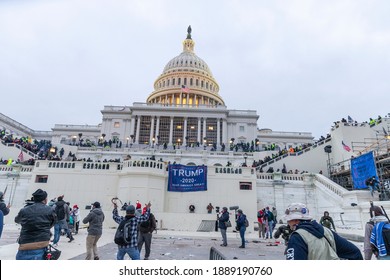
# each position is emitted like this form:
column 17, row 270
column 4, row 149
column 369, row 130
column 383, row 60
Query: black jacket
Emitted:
column 4, row 208
column 36, row 221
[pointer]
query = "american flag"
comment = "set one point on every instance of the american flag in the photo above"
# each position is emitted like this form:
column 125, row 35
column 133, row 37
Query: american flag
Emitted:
column 20, row 156
column 185, row 89
column 346, row 147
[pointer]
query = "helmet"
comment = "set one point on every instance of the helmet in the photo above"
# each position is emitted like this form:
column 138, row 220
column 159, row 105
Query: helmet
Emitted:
column 297, row 211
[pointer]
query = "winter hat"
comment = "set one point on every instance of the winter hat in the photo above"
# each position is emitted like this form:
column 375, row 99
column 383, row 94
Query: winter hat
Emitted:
column 75, row 206
column 239, row 211
column 297, row 211
column 39, row 195
column 130, row 209
column 96, row 204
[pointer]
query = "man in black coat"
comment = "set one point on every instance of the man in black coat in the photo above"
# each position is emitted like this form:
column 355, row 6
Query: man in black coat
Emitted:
column 36, row 220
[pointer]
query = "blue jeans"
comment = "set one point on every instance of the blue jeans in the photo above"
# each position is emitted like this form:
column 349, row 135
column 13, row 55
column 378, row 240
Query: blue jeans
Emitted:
column 242, row 235
column 270, row 228
column 133, row 253
column 30, row 254
column 57, row 230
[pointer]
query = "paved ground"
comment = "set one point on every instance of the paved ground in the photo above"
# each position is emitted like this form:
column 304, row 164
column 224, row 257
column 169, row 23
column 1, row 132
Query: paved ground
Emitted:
column 166, row 245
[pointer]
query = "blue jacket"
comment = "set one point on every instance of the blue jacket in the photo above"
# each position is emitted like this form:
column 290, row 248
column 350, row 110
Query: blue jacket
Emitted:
column 297, row 249
column 241, row 221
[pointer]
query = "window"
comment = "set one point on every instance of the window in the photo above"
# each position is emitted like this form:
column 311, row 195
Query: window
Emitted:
column 178, row 81
column 242, row 128
column 245, row 186
column 41, row 178
column 117, row 124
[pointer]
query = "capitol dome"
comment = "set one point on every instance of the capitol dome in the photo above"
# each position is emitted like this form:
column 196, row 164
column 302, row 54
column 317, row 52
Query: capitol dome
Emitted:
column 186, row 80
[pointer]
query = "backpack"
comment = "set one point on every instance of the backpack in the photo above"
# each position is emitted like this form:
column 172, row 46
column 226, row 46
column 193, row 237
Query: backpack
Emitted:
column 381, row 242
column 246, row 222
column 123, row 233
column 60, row 212
column 148, row 226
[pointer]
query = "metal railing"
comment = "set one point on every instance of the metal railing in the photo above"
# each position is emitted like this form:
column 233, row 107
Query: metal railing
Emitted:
column 216, row 255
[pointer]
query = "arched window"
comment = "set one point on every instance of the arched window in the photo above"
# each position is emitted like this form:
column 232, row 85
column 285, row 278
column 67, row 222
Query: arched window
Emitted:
column 201, row 84
column 191, row 81
column 197, row 82
column 173, row 81
column 185, row 81
column 178, row 81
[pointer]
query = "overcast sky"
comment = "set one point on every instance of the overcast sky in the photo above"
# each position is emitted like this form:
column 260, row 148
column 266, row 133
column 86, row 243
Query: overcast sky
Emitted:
column 300, row 64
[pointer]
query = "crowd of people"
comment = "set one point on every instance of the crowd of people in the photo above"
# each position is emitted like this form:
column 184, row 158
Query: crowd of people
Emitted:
column 305, row 239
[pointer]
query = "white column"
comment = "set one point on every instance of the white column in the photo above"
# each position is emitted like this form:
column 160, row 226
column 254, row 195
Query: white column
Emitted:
column 185, row 132
column 157, row 128
column 137, row 132
column 204, row 129
column 151, row 129
column 171, row 132
column 218, row 133
column 198, row 136
column 132, row 124
column 224, row 132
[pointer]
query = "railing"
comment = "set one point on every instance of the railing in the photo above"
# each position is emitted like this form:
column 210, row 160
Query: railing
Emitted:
column 144, row 163
column 330, row 185
column 31, row 154
column 216, row 255
column 293, row 154
column 282, row 176
column 228, row 170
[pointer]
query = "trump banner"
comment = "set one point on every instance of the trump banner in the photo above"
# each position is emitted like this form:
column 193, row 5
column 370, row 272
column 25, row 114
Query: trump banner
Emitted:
column 362, row 168
column 183, row 178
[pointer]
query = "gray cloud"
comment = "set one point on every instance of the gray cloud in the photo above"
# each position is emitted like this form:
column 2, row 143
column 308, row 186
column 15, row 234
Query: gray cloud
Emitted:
column 300, row 64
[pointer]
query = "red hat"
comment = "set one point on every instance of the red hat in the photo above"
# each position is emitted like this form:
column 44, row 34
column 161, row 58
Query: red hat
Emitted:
column 75, row 206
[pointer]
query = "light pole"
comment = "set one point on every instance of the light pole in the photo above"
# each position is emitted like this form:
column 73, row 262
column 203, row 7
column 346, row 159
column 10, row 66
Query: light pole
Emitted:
column 204, row 143
column 127, row 141
column 179, row 142
column 245, row 157
column 153, row 140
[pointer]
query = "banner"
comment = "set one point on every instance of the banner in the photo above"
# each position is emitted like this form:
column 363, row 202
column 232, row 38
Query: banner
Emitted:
column 362, row 168
column 183, row 178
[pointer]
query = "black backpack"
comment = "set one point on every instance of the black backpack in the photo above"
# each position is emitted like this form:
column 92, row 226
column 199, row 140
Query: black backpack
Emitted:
column 123, row 233
column 60, row 212
column 147, row 226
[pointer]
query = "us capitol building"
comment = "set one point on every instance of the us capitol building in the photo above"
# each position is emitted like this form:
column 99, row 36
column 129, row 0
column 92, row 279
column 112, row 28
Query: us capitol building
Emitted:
column 186, row 121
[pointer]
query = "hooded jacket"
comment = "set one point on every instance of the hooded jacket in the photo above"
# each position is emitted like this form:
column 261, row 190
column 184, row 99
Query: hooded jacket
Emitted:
column 95, row 219
column 297, row 249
